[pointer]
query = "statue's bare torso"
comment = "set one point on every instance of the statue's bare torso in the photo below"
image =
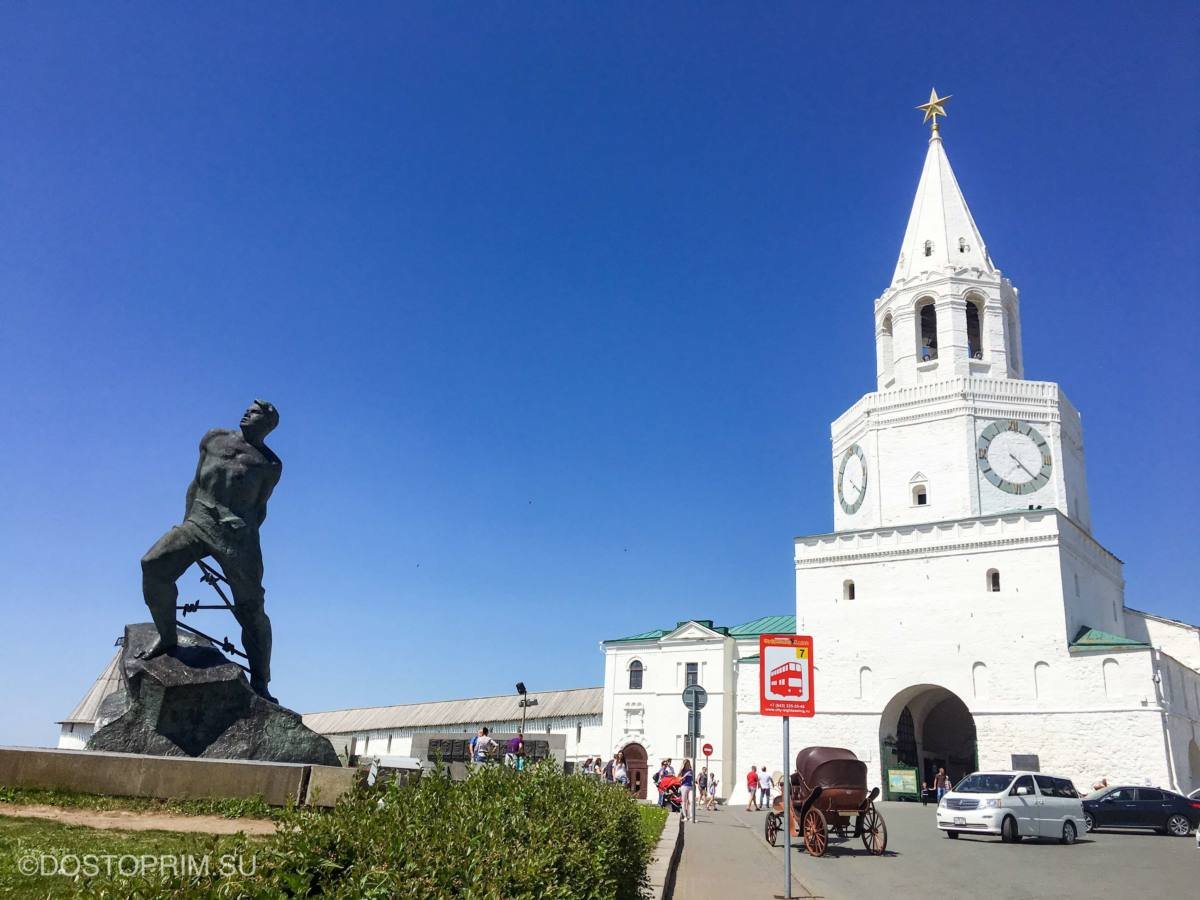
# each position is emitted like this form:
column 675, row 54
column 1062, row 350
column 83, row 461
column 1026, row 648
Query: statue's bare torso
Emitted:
column 234, row 479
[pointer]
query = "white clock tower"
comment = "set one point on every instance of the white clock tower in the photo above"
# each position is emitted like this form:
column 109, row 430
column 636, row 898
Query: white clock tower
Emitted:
column 954, row 429
column 962, row 614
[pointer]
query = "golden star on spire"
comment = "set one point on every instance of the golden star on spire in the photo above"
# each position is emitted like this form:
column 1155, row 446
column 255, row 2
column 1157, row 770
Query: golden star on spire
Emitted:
column 935, row 107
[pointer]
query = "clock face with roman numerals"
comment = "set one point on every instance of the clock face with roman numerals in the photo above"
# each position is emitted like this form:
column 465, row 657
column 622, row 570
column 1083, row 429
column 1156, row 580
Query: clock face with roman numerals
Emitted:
column 1014, row 456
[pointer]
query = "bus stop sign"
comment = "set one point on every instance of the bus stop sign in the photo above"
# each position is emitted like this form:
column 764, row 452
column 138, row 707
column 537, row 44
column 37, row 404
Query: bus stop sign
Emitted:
column 785, row 666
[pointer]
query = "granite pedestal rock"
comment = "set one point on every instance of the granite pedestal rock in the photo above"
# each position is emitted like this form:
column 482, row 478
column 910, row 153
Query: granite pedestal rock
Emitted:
column 194, row 702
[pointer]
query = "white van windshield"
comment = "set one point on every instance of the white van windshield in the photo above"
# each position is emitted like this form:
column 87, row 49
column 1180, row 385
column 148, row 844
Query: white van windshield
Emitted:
column 981, row 783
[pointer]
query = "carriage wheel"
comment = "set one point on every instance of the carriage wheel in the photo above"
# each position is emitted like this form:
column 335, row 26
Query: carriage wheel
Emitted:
column 771, row 827
column 815, row 839
column 874, row 831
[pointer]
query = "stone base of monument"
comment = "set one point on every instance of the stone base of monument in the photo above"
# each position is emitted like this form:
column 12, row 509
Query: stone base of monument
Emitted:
column 172, row 777
column 195, row 702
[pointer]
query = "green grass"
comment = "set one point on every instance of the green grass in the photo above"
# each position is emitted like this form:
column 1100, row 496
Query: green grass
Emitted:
column 653, row 820
column 52, row 844
column 229, row 808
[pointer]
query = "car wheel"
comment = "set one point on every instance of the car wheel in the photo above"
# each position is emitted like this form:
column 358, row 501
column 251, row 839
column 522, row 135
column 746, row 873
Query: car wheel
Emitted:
column 1178, row 826
column 1089, row 824
column 1008, row 831
column 953, row 835
column 1069, row 833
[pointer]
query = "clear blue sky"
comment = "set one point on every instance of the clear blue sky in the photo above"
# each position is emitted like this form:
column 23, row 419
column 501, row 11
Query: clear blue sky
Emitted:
column 557, row 304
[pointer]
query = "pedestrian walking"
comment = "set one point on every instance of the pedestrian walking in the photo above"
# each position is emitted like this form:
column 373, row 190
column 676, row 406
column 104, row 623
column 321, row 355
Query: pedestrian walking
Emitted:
column 941, row 784
column 607, row 771
column 752, row 787
column 585, row 767
column 514, row 754
column 712, row 792
column 764, row 787
column 664, row 769
column 482, row 746
column 702, row 785
column 686, row 789
column 620, row 772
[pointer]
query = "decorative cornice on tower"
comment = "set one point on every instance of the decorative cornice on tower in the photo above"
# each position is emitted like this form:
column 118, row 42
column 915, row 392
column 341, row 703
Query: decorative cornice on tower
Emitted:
column 941, row 232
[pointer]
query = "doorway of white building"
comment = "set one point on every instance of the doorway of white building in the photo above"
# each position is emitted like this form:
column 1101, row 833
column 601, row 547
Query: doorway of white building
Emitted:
column 927, row 727
column 635, row 765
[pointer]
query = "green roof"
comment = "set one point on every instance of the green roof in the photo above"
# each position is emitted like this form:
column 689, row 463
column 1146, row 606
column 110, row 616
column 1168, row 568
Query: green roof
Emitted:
column 644, row 636
column 763, row 625
column 1095, row 639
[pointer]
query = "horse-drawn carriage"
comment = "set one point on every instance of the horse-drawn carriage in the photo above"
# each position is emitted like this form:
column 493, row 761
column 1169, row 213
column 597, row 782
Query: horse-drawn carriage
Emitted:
column 828, row 795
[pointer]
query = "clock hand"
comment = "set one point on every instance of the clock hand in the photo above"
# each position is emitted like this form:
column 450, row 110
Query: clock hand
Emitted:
column 853, row 485
column 1021, row 464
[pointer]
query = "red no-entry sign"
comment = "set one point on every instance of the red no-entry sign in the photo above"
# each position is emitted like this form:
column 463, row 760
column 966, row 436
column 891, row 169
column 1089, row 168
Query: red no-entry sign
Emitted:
column 706, row 749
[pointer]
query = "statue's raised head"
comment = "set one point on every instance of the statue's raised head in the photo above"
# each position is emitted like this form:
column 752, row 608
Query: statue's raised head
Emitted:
column 260, row 418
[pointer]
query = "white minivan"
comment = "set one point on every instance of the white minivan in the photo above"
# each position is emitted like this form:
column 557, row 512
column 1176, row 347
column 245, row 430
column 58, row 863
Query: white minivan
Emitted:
column 1013, row 805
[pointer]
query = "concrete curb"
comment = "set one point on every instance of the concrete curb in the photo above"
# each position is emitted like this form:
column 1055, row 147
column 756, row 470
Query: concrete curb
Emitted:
column 665, row 863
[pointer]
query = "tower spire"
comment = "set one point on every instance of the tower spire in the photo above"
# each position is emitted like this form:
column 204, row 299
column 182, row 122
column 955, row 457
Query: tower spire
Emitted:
column 941, row 232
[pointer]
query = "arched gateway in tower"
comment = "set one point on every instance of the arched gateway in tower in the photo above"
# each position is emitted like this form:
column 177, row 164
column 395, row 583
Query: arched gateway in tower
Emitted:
column 962, row 612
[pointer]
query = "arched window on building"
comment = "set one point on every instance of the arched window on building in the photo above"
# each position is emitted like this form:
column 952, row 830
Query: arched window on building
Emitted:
column 993, row 581
column 635, row 675
column 974, row 329
column 1041, row 680
column 979, row 685
column 885, row 344
column 864, row 681
column 928, row 332
column 848, row 589
column 920, row 495
column 1111, row 670
column 929, row 248
column 963, row 246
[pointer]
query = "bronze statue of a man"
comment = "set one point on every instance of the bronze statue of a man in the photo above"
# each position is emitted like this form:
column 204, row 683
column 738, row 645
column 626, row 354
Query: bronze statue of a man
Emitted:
column 226, row 504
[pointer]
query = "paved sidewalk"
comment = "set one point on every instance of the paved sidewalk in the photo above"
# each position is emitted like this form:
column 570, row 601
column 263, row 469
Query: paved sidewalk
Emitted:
column 725, row 856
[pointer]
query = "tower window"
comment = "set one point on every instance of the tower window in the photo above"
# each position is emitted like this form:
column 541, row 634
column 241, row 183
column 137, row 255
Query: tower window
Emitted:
column 885, row 345
column 929, row 248
column 993, row 581
column 848, row 589
column 929, row 342
column 692, row 674
column 962, row 245
column 974, row 332
column 635, row 675
column 920, row 495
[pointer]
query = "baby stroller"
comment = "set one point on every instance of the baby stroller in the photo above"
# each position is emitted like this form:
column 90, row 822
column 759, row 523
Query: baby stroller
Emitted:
column 668, row 786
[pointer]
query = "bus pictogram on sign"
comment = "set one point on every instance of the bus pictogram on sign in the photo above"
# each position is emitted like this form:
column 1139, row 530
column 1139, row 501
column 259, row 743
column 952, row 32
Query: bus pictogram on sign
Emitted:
column 786, row 681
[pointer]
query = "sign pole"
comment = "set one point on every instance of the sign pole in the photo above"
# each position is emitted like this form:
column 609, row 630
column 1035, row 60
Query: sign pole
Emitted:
column 695, row 737
column 787, row 810
column 785, row 689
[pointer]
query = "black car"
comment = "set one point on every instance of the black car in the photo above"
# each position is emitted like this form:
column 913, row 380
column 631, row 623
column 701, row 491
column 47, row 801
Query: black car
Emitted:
column 1141, row 807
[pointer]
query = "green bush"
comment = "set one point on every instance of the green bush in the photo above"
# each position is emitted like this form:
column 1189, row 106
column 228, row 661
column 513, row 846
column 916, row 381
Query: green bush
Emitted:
column 501, row 833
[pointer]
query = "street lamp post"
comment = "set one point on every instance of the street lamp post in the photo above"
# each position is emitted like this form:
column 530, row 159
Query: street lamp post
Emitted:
column 526, row 702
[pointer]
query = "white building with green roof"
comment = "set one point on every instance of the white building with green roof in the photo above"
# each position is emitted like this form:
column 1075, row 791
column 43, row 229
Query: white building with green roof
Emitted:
column 644, row 676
